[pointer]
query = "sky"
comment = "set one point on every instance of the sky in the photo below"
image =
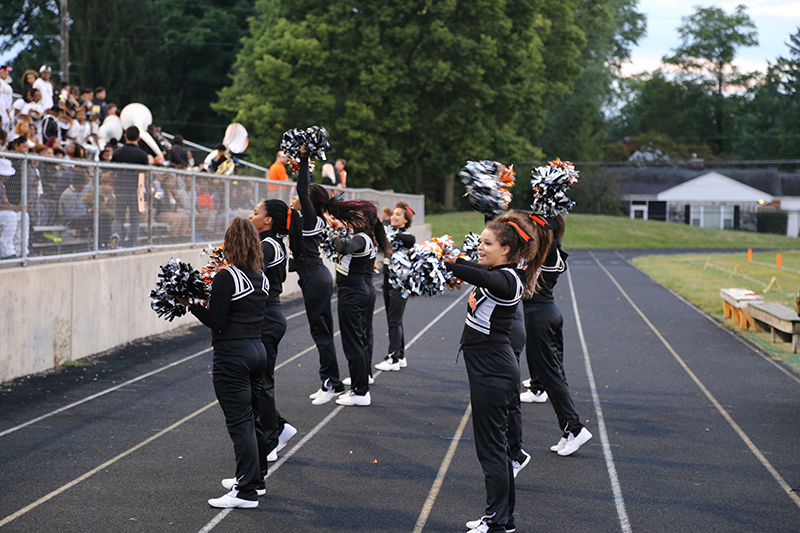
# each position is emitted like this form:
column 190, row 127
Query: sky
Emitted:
column 775, row 20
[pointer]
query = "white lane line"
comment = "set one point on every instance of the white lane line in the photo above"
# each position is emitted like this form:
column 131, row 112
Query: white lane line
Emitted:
column 739, row 431
column 103, row 393
column 619, row 502
column 742, row 340
column 103, row 466
column 427, row 507
column 222, row 514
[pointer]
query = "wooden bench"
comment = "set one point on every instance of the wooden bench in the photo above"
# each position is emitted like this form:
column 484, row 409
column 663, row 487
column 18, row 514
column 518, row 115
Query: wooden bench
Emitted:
column 782, row 321
column 65, row 239
column 734, row 305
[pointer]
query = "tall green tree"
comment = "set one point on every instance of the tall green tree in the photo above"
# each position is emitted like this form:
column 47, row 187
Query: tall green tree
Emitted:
column 709, row 40
column 576, row 125
column 408, row 89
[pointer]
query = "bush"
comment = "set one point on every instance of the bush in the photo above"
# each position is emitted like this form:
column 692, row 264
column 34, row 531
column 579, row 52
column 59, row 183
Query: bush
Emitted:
column 772, row 222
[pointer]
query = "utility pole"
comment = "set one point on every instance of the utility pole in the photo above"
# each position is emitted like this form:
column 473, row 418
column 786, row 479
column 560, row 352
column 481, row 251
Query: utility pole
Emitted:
column 65, row 40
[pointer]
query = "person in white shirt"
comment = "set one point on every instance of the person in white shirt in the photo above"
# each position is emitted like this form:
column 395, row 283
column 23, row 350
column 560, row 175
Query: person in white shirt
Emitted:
column 45, row 86
column 6, row 99
column 81, row 130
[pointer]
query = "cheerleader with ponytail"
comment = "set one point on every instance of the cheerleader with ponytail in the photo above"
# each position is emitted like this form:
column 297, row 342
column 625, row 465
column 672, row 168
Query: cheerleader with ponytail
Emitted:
column 356, row 260
column 274, row 220
column 316, row 282
column 400, row 220
column 499, row 283
column 545, row 340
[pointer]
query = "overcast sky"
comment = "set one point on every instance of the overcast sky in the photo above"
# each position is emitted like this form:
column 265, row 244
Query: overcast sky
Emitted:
column 774, row 19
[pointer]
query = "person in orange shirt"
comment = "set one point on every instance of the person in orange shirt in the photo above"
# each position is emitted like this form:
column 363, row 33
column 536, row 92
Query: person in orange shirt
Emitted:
column 277, row 171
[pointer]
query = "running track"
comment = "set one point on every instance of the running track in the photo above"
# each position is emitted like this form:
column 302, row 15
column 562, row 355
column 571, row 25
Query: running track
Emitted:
column 694, row 431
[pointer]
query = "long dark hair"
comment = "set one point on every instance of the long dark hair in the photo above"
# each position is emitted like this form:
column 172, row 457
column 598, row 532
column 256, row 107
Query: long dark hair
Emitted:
column 242, row 246
column 510, row 229
column 287, row 221
column 359, row 214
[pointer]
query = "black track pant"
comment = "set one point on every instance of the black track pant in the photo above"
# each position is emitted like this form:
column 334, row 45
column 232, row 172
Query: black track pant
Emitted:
column 270, row 421
column 545, row 353
column 395, row 307
column 317, row 285
column 368, row 316
column 238, row 370
column 515, row 410
column 353, row 302
column 493, row 383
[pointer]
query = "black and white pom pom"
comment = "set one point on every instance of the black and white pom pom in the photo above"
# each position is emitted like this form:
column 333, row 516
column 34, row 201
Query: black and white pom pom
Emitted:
column 315, row 139
column 550, row 184
column 393, row 236
column 470, row 248
column 177, row 279
column 488, row 184
column 335, row 228
column 420, row 271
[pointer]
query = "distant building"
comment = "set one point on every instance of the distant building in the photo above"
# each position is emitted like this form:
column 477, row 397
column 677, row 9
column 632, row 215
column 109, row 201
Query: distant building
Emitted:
column 709, row 199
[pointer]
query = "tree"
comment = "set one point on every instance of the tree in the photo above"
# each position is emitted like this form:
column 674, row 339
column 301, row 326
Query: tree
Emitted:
column 408, row 89
column 576, row 126
column 709, row 40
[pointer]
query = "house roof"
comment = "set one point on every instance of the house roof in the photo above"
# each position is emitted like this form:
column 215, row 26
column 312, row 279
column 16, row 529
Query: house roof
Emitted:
column 714, row 187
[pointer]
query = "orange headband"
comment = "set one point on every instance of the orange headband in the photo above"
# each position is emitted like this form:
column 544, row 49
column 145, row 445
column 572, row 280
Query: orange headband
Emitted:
column 522, row 235
column 538, row 220
column 289, row 218
column 410, row 210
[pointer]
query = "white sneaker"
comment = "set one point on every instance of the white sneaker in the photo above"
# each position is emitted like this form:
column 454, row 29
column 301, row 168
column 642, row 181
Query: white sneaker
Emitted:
column 575, row 442
column 527, row 383
column 231, row 501
column 272, row 456
column 560, row 446
column 480, row 526
column 348, row 381
column 354, row 399
column 388, row 366
column 403, row 362
column 533, row 397
column 288, row 432
column 230, row 482
column 324, row 397
column 315, row 395
column 517, row 465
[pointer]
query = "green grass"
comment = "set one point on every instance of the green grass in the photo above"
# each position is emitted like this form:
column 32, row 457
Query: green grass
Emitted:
column 606, row 232
column 699, row 277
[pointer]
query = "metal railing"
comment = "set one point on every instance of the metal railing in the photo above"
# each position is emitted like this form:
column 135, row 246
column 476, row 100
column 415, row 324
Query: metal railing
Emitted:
column 62, row 209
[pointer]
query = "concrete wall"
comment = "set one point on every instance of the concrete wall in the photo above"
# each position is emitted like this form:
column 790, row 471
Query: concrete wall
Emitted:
column 61, row 312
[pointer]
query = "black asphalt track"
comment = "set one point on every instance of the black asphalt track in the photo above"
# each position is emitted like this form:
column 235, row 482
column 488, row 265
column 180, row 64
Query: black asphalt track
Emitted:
column 146, row 456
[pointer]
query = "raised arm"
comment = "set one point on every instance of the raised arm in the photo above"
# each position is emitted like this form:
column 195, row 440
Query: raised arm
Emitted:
column 309, row 213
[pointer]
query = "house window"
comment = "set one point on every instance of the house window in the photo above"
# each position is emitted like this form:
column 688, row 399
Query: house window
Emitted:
column 712, row 217
column 727, row 218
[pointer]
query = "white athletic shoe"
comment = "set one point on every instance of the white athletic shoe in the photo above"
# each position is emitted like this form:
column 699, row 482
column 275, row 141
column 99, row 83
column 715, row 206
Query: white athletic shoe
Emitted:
column 403, row 362
column 480, row 526
column 288, row 432
column 349, row 381
column 230, row 482
column 354, row 399
column 231, row 501
column 533, row 397
column 272, row 456
column 517, row 465
column 315, row 395
column 388, row 366
column 324, row 397
column 560, row 446
column 527, row 383
column 575, row 442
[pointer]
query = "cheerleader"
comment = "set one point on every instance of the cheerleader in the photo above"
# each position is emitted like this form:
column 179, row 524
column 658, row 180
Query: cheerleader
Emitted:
column 356, row 259
column 492, row 369
column 400, row 219
column 274, row 220
column 316, row 282
column 235, row 313
column 545, row 341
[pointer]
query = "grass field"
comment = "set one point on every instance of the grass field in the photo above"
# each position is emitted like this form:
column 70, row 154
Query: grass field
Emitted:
column 699, row 277
column 606, row 232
